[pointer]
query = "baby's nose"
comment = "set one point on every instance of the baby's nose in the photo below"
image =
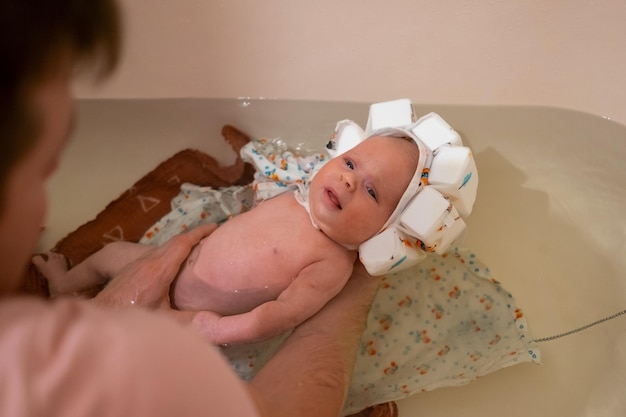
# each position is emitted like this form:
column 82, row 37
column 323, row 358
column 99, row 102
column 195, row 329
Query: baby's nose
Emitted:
column 349, row 181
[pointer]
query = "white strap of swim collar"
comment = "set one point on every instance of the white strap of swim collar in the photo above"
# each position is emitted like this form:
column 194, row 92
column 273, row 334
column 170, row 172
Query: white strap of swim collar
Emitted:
column 302, row 196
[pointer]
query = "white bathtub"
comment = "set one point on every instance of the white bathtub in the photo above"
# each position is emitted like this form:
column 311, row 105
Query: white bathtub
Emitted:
column 549, row 221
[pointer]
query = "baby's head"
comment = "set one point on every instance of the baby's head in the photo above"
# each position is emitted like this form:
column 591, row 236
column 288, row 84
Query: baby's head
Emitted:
column 354, row 194
column 428, row 178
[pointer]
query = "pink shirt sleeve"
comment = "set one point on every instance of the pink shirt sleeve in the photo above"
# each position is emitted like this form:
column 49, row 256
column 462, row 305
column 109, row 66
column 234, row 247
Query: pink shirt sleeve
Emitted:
column 69, row 358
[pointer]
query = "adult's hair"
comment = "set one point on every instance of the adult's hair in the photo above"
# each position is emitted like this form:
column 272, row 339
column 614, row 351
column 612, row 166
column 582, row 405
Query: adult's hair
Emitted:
column 34, row 36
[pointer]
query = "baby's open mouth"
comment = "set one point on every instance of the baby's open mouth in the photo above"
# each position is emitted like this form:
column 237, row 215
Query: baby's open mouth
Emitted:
column 332, row 197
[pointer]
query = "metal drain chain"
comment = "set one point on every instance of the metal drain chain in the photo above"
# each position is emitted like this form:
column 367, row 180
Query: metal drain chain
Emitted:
column 579, row 329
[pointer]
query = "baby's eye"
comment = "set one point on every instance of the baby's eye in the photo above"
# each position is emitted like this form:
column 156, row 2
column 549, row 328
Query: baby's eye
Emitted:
column 349, row 164
column 372, row 193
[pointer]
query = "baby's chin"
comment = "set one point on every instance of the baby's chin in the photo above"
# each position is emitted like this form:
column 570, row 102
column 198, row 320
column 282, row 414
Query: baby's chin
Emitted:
column 345, row 239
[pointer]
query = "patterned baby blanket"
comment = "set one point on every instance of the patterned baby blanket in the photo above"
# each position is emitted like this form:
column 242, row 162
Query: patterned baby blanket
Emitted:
column 444, row 322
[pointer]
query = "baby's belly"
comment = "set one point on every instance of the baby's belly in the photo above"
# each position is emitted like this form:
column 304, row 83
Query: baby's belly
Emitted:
column 225, row 302
column 219, row 278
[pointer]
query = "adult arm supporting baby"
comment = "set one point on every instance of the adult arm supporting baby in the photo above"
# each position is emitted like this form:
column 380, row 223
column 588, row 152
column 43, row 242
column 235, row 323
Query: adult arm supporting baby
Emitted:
column 315, row 363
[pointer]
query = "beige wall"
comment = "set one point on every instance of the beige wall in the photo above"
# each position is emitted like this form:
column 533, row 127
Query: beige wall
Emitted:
column 564, row 53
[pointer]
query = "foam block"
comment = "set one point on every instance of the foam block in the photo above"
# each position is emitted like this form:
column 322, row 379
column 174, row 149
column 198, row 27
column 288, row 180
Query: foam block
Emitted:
column 395, row 113
column 435, row 132
column 432, row 219
column 347, row 135
column 453, row 172
column 389, row 251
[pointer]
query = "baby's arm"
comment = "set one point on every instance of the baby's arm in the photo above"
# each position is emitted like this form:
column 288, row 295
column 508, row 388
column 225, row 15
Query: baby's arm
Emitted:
column 306, row 295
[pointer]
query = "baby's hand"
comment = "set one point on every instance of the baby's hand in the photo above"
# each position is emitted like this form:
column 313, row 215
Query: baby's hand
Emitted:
column 204, row 321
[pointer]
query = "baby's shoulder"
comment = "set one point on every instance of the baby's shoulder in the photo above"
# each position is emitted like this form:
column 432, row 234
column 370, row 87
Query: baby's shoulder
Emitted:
column 282, row 205
column 336, row 256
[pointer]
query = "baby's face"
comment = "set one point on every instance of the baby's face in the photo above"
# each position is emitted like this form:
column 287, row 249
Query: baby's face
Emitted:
column 353, row 195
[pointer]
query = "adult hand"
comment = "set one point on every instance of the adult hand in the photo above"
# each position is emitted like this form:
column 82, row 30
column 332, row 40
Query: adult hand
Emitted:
column 146, row 281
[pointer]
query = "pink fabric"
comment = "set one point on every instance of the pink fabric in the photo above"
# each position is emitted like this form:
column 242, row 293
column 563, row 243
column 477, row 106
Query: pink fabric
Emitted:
column 69, row 358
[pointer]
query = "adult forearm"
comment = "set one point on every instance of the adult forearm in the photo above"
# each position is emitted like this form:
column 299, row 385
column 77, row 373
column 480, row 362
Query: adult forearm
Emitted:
column 310, row 374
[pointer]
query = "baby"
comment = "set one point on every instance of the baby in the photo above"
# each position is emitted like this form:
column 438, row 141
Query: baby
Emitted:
column 287, row 273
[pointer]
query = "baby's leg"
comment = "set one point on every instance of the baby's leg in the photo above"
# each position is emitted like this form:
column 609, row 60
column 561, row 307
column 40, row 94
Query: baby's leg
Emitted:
column 97, row 269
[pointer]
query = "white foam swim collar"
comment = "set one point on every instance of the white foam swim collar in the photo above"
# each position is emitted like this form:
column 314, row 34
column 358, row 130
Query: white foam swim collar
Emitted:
column 429, row 215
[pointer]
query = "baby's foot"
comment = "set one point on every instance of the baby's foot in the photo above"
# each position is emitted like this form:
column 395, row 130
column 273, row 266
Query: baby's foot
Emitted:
column 54, row 269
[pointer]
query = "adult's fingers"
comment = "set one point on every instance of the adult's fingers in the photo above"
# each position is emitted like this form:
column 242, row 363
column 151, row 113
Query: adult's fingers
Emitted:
column 164, row 262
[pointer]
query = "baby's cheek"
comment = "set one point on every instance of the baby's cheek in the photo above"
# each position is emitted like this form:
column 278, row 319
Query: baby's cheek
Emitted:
column 366, row 226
